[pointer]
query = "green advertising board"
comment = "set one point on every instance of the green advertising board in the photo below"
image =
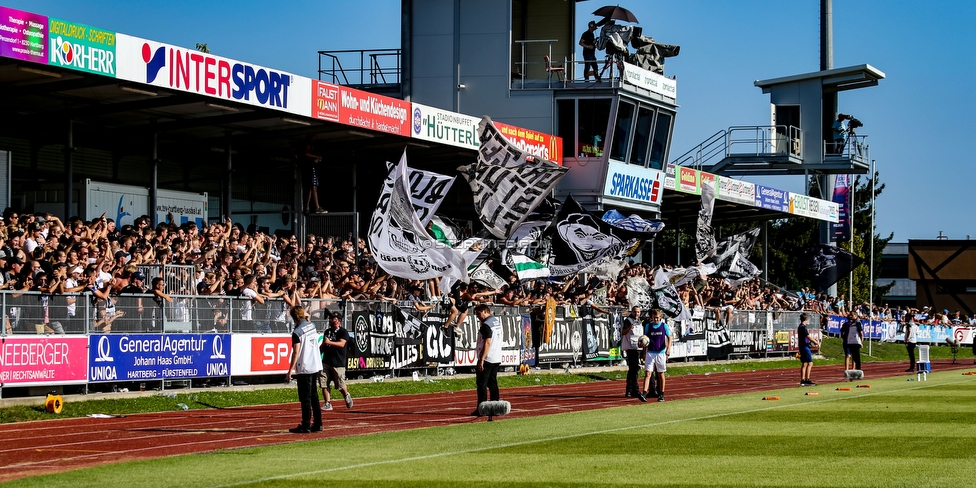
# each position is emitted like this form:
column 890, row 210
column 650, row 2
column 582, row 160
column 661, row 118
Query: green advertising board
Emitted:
column 81, row 47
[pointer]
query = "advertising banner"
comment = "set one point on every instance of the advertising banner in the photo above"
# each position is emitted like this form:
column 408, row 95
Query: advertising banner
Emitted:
column 177, row 68
column 134, row 357
column 325, row 101
column 374, row 112
column 813, row 207
column 738, row 191
column 253, row 354
column 772, row 199
column 125, row 203
column 748, row 341
column 635, row 76
column 43, row 360
column 451, row 128
column 687, row 180
column 633, row 183
column 538, row 144
column 357, row 108
column 372, row 335
column 794, row 345
column 23, row 35
column 964, row 335
column 81, row 47
column 841, row 230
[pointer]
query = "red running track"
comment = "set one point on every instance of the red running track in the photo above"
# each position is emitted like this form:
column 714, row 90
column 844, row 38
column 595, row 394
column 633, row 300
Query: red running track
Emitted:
column 35, row 448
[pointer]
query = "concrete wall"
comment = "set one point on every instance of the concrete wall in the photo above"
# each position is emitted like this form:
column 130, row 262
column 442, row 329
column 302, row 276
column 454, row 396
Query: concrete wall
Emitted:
column 470, row 42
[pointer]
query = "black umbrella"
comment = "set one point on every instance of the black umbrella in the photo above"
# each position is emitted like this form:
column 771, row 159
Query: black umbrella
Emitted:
column 616, row 13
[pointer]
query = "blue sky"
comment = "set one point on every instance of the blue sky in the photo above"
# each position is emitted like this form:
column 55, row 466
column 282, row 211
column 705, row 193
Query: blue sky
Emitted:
column 918, row 120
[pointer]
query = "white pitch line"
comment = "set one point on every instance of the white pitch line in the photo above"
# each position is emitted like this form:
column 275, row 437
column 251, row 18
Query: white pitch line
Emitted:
column 570, row 436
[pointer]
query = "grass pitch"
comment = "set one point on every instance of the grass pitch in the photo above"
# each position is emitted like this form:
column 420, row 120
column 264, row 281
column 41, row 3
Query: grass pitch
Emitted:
column 896, row 433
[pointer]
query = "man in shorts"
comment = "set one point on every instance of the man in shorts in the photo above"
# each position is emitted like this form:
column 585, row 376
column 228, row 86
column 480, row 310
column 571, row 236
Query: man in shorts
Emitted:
column 806, row 344
column 333, row 350
column 656, row 358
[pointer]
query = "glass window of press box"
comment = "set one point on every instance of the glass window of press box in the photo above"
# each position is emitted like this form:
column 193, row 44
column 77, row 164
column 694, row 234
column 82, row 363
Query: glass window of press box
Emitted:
column 583, row 126
column 641, row 134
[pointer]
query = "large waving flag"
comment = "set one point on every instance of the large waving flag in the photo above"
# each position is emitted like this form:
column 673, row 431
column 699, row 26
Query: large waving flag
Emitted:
column 580, row 239
column 526, row 268
column 399, row 241
column 741, row 243
column 828, row 264
column 427, row 189
column 705, row 237
column 507, row 183
column 633, row 222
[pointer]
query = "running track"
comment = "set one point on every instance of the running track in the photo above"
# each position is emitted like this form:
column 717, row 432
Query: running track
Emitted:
column 35, row 448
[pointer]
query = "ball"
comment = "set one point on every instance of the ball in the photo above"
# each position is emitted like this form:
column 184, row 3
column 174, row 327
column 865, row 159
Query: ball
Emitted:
column 644, row 341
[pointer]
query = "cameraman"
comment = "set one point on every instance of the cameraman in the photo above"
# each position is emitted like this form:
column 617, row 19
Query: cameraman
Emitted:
column 841, row 128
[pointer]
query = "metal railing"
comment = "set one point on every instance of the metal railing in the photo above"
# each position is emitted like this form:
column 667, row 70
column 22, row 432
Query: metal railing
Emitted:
column 523, row 64
column 779, row 140
column 855, row 149
column 753, row 140
column 360, row 67
column 711, row 151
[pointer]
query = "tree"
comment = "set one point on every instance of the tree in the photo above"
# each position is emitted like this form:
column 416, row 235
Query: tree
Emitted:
column 203, row 48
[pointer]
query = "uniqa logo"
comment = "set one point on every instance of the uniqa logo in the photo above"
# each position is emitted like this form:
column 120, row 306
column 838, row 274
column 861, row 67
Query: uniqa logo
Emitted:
column 104, row 351
column 217, row 348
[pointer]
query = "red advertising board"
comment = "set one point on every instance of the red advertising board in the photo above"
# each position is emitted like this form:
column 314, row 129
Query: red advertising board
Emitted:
column 270, row 354
column 325, row 101
column 360, row 109
column 688, row 180
column 43, row 359
column 545, row 146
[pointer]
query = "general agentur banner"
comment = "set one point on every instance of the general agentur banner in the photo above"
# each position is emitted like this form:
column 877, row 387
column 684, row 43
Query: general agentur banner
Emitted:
column 43, row 360
column 134, row 357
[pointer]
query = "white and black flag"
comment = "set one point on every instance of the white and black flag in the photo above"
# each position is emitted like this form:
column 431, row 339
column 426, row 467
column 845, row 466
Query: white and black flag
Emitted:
column 507, row 183
column 427, row 189
column 639, row 293
column 741, row 243
column 400, row 243
column 705, row 237
column 666, row 296
column 410, row 329
column 580, row 239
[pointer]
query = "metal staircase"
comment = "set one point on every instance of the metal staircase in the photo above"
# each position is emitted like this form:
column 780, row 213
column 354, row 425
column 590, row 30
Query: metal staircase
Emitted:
column 770, row 150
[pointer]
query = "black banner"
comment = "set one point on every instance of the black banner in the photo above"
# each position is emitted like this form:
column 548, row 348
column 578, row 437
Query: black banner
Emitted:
column 373, row 341
column 599, row 337
column 565, row 344
column 748, row 341
column 438, row 346
column 719, row 342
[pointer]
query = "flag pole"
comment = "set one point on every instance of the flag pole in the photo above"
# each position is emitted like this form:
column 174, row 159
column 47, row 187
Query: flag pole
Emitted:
column 850, row 218
column 874, row 175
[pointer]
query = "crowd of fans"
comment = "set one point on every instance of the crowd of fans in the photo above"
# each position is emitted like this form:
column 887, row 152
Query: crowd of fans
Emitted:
column 41, row 253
